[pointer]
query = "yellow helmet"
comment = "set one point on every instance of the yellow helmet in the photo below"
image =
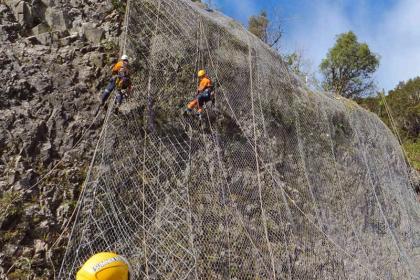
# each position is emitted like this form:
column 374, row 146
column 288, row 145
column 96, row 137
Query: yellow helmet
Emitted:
column 105, row 266
column 201, row 73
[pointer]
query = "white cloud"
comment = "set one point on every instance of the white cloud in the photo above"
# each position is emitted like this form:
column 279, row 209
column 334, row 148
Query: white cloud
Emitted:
column 395, row 35
column 315, row 28
column 397, row 40
column 239, row 9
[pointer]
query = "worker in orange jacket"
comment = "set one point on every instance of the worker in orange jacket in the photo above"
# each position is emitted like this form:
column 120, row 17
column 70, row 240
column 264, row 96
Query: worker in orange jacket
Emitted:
column 119, row 69
column 204, row 94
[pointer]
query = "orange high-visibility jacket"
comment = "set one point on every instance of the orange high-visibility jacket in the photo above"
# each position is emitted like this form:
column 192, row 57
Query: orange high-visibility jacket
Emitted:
column 117, row 67
column 205, row 83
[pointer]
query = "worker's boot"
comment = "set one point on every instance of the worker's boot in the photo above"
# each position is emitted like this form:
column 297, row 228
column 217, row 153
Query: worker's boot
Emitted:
column 187, row 112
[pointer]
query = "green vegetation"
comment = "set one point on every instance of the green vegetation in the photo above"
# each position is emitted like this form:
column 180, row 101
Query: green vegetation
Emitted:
column 110, row 46
column 294, row 62
column 8, row 205
column 348, row 67
column 301, row 67
column 413, row 152
column 268, row 30
column 258, row 25
column 23, row 269
column 404, row 104
column 119, row 6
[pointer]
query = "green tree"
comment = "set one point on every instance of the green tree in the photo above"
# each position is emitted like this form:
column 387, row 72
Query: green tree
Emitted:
column 269, row 31
column 349, row 66
column 404, row 102
column 294, row 61
column 404, row 108
column 258, row 25
column 301, row 67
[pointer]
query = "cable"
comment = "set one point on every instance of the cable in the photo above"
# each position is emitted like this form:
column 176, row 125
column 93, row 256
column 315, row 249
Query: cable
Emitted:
column 294, row 203
column 194, row 200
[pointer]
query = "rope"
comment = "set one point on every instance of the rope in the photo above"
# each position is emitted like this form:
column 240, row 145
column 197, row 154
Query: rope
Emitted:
column 81, row 196
column 143, row 208
column 228, row 184
column 77, row 209
column 42, row 179
column 288, row 196
column 372, row 184
column 402, row 205
column 263, row 215
column 189, row 207
column 395, row 129
column 158, row 169
column 126, row 22
column 340, row 180
column 205, row 141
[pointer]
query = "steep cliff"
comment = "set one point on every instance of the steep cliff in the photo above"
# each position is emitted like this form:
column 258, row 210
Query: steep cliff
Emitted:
column 277, row 181
column 55, row 57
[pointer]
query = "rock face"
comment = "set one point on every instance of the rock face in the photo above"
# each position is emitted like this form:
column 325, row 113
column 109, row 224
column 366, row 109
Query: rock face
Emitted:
column 276, row 181
column 51, row 74
column 280, row 183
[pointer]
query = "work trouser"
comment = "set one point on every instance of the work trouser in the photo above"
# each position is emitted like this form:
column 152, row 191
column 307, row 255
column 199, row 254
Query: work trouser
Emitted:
column 119, row 97
column 200, row 100
column 107, row 92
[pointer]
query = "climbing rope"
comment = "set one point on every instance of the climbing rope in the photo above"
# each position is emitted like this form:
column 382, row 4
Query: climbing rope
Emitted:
column 78, row 203
column 395, row 129
column 257, row 163
column 76, row 145
column 77, row 209
column 204, row 200
column 340, row 248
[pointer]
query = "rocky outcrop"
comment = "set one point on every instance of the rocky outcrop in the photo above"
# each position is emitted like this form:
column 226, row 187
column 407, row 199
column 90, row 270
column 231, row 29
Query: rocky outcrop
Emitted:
column 277, row 181
column 54, row 57
column 46, row 22
column 54, row 61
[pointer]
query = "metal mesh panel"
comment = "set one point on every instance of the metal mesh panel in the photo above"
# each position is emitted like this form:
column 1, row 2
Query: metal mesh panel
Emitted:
column 277, row 182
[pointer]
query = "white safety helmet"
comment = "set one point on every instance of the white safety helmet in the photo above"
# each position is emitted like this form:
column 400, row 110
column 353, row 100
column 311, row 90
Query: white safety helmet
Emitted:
column 124, row 57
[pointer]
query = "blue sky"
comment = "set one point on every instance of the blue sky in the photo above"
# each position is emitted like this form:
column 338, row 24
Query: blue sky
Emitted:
column 390, row 27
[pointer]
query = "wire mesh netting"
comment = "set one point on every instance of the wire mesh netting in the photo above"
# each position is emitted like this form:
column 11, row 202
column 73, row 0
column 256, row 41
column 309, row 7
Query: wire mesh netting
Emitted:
column 276, row 182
